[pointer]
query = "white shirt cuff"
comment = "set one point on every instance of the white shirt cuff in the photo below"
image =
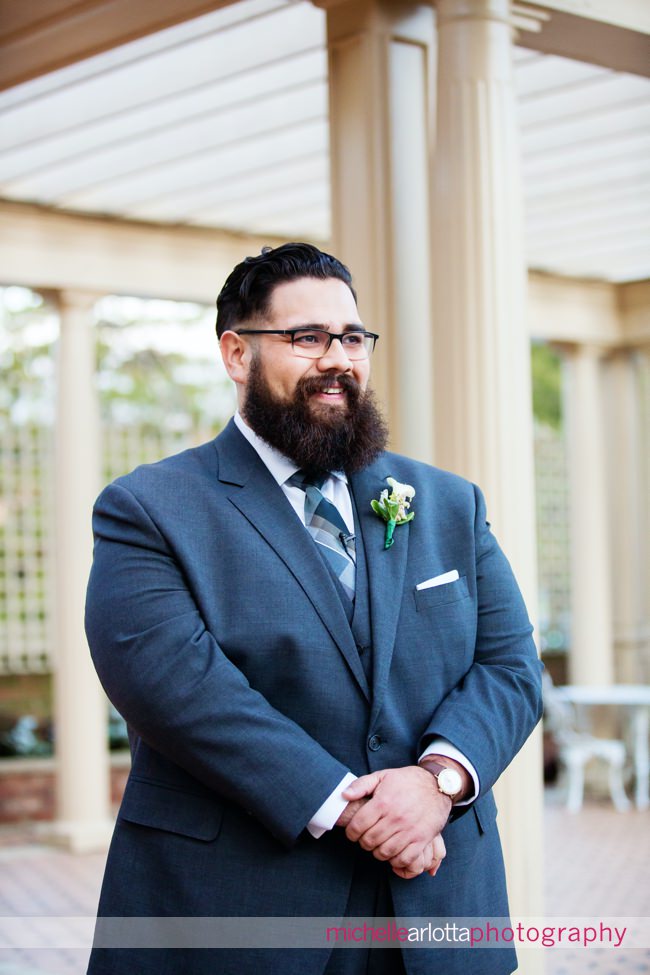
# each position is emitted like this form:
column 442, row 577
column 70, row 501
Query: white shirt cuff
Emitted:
column 326, row 816
column 440, row 746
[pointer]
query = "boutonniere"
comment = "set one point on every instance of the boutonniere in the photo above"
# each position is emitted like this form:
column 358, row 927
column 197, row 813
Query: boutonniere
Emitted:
column 393, row 507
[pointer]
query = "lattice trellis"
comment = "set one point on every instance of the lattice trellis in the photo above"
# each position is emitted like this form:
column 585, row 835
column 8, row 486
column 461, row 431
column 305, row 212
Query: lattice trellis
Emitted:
column 26, row 528
column 27, row 607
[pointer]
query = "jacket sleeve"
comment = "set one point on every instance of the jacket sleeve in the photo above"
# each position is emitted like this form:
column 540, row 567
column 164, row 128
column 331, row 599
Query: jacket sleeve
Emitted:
column 166, row 674
column 492, row 711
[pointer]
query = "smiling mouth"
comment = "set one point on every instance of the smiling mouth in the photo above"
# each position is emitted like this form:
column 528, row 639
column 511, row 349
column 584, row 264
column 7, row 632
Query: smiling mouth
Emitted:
column 337, row 388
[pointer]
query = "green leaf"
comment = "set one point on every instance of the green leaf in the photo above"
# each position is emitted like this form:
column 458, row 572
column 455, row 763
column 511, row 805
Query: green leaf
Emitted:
column 378, row 508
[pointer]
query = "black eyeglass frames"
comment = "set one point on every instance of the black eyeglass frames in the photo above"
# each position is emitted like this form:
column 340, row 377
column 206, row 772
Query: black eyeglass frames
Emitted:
column 312, row 343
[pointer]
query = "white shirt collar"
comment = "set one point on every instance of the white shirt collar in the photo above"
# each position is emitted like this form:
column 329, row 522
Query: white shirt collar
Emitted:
column 279, row 466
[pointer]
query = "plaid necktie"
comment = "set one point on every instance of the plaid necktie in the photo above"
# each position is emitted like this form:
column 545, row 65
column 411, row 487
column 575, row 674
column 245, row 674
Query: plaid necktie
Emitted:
column 326, row 526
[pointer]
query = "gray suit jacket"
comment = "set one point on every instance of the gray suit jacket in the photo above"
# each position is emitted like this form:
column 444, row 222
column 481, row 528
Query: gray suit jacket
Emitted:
column 218, row 633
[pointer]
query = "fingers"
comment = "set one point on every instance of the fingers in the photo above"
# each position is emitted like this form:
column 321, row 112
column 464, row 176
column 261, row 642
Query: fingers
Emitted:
column 439, row 854
column 350, row 810
column 416, row 860
column 362, row 823
column 365, row 785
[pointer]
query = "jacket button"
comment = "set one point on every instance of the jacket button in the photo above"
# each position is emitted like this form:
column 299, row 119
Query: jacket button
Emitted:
column 374, row 743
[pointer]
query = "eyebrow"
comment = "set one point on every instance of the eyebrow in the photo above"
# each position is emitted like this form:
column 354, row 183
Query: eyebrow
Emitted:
column 349, row 327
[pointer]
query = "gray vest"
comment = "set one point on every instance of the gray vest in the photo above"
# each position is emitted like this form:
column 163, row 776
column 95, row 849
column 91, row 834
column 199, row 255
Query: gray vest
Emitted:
column 358, row 613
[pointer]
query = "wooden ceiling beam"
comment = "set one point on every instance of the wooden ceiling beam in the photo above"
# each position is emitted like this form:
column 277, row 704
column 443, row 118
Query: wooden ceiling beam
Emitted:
column 39, row 36
column 577, row 36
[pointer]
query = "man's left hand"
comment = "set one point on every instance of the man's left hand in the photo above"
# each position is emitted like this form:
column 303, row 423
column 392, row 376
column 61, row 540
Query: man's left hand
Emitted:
column 405, row 813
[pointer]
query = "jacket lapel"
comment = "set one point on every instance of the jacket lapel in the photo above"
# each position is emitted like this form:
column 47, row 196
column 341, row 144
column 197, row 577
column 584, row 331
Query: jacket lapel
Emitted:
column 262, row 502
column 386, row 569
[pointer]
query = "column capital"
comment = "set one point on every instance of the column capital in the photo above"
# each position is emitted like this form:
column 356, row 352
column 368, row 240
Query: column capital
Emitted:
column 407, row 19
column 76, row 299
column 455, row 10
column 626, row 353
column 586, row 350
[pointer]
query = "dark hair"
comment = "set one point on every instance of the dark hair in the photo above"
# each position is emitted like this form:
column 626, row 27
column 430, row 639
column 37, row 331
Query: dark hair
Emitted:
column 249, row 286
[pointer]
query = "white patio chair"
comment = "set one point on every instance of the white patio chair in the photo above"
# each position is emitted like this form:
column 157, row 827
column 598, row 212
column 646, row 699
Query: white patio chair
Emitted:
column 576, row 748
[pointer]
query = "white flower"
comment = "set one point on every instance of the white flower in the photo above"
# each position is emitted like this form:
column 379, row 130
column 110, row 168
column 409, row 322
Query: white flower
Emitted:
column 401, row 491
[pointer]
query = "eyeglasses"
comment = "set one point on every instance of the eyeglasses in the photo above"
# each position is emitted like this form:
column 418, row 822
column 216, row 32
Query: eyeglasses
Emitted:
column 314, row 343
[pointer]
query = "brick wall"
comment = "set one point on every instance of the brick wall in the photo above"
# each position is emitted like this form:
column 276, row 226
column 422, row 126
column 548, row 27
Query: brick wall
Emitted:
column 27, row 787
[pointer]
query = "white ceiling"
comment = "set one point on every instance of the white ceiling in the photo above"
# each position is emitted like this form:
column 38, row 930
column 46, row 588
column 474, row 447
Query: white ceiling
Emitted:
column 222, row 122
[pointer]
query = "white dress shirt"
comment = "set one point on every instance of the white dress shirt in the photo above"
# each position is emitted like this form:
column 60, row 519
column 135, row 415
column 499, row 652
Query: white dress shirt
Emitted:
column 336, row 490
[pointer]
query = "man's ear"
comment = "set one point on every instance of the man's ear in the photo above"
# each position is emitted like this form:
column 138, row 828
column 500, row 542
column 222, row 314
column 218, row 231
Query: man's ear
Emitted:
column 236, row 353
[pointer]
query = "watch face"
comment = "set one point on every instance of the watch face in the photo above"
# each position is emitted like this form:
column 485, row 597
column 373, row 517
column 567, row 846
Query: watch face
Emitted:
column 449, row 781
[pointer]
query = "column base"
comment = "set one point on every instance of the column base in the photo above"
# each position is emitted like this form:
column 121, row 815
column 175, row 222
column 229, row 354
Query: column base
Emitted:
column 75, row 837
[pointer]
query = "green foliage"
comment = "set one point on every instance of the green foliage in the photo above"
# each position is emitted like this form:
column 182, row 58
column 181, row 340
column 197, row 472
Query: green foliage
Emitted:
column 158, row 366
column 28, row 331
column 547, row 386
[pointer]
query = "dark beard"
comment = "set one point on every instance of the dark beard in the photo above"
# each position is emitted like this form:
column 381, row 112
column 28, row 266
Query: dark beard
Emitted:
column 337, row 440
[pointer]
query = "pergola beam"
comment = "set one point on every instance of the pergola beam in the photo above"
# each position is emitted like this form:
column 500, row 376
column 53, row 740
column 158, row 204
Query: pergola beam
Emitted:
column 583, row 36
column 632, row 14
column 43, row 35
column 49, row 249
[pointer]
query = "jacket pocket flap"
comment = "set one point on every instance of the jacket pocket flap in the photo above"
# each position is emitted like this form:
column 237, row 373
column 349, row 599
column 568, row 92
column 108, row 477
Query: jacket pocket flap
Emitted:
column 158, row 806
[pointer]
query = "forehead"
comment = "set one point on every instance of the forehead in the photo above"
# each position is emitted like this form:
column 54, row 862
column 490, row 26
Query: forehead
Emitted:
column 313, row 301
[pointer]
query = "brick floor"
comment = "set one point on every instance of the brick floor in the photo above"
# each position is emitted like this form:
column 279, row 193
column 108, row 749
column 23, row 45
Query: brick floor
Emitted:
column 596, row 866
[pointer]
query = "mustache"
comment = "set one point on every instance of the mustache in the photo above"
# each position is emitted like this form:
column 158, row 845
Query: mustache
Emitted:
column 309, row 385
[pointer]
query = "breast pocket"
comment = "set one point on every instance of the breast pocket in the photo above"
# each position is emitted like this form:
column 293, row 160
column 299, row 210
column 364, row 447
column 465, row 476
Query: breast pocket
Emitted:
column 437, row 596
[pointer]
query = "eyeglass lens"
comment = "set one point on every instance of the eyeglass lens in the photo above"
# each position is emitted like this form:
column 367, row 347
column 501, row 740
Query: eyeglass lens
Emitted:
column 314, row 343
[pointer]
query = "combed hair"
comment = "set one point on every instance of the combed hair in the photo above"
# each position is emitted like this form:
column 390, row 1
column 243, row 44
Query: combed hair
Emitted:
column 247, row 292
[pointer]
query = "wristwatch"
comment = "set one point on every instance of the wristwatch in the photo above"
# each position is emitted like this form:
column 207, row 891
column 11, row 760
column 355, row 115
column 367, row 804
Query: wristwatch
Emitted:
column 449, row 780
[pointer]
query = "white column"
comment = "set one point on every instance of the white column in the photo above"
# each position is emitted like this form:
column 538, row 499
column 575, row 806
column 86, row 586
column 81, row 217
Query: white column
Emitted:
column 591, row 654
column 628, row 450
column 83, row 804
column 380, row 69
column 481, row 347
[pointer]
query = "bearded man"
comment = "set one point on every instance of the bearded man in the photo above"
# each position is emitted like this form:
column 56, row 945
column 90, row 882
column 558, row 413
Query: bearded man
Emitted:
column 320, row 691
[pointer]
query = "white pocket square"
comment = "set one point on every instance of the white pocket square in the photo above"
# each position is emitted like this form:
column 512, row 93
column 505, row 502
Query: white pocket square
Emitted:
column 439, row 580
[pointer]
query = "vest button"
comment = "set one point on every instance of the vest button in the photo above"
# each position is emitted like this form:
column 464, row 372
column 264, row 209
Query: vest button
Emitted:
column 374, row 743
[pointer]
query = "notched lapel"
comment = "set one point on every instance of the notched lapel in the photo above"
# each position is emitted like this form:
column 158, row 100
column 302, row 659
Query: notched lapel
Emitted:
column 261, row 501
column 386, row 569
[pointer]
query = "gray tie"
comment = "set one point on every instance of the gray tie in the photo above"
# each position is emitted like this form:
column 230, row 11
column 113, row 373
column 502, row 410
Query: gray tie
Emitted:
column 326, row 526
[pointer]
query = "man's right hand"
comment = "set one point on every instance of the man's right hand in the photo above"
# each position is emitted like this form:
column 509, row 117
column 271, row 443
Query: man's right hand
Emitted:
column 398, row 832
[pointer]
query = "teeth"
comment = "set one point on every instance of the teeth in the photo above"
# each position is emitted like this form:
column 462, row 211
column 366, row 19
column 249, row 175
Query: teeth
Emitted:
column 332, row 390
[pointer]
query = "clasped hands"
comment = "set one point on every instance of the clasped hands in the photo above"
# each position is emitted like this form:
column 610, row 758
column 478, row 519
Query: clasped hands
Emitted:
column 398, row 815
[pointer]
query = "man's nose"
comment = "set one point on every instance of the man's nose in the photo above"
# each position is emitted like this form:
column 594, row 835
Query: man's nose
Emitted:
column 335, row 358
